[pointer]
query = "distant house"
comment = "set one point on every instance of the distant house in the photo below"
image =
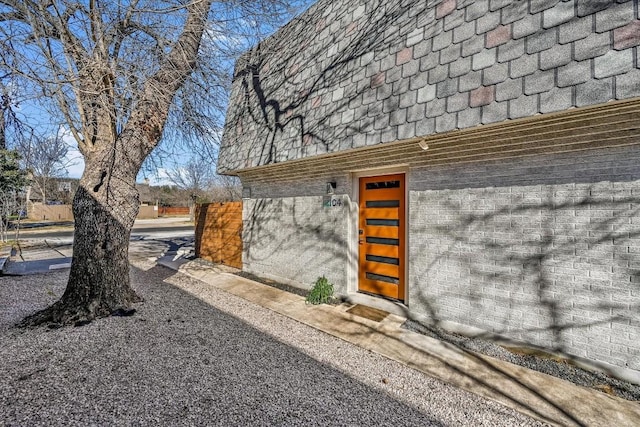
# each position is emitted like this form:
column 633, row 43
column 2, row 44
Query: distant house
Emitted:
column 474, row 164
column 55, row 203
column 146, row 194
column 148, row 201
column 58, row 191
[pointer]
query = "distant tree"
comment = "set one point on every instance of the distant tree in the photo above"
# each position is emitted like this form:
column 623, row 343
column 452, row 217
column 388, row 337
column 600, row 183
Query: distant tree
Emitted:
column 9, row 120
column 195, row 177
column 122, row 74
column 46, row 159
column 12, row 180
column 225, row 188
column 199, row 180
column 12, row 177
column 4, row 108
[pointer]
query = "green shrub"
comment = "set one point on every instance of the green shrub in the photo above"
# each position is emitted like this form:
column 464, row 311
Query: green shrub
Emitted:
column 321, row 293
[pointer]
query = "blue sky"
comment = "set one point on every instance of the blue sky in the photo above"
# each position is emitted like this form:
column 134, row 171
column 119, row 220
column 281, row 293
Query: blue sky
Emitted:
column 40, row 119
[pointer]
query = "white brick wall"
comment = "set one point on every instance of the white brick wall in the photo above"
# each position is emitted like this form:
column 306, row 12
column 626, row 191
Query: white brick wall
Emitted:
column 541, row 249
column 545, row 250
column 289, row 236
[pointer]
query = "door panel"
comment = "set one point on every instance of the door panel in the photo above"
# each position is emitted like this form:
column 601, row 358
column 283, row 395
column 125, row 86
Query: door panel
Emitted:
column 380, row 214
column 389, row 232
column 380, row 250
column 382, row 236
column 380, row 268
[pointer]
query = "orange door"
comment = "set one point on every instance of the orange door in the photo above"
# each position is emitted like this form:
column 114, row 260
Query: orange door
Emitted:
column 381, row 236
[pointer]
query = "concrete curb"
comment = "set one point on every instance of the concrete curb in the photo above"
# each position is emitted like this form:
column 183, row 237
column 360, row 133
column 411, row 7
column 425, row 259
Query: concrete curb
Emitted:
column 541, row 396
column 3, row 261
column 5, row 254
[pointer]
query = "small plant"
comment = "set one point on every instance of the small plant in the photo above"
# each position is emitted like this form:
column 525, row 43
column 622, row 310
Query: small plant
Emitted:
column 321, row 293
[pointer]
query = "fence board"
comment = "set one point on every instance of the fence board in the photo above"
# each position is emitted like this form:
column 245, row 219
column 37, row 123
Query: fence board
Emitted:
column 173, row 210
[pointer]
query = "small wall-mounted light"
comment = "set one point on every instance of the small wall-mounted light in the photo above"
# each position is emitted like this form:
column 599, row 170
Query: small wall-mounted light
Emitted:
column 246, row 192
column 423, row 144
column 331, row 187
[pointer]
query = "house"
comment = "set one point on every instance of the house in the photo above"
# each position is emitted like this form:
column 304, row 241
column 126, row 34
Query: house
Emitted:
column 474, row 164
column 49, row 198
column 148, row 201
column 58, row 191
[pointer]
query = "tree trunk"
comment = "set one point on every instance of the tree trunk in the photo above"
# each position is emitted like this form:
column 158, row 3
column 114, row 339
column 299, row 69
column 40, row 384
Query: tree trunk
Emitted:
column 106, row 203
column 104, row 208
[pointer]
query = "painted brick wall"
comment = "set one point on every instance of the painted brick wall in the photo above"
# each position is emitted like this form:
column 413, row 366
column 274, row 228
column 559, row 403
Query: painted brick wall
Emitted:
column 294, row 239
column 349, row 74
column 545, row 250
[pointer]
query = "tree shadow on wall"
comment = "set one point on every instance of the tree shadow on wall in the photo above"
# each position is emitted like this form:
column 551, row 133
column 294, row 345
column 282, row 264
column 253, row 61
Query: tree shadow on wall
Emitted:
column 557, row 272
column 309, row 99
column 297, row 236
column 267, row 238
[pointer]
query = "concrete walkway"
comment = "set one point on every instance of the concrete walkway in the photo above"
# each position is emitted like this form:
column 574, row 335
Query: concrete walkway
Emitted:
column 539, row 395
column 39, row 258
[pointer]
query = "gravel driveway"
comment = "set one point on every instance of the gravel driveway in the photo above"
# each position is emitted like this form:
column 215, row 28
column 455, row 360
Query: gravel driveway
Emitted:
column 180, row 361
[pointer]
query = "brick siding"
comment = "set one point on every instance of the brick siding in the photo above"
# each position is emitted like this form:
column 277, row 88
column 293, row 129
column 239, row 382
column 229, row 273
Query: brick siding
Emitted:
column 543, row 250
column 290, row 237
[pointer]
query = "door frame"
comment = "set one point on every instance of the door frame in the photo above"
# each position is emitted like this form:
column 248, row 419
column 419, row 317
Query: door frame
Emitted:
column 354, row 262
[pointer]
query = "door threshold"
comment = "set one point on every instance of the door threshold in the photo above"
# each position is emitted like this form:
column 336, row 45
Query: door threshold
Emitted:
column 372, row 295
column 392, row 306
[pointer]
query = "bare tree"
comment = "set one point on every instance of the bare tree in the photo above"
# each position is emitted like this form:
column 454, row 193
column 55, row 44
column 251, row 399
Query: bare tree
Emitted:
column 46, row 159
column 5, row 106
column 225, row 188
column 196, row 176
column 119, row 73
column 8, row 118
column 12, row 180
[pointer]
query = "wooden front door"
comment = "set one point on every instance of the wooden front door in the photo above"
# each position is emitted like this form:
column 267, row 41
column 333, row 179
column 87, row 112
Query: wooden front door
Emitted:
column 381, row 238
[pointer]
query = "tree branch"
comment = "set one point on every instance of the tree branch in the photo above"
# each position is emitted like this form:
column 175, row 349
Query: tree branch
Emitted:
column 160, row 89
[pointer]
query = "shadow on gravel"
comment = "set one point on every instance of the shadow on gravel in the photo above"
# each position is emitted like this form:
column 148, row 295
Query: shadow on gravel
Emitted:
column 530, row 358
column 176, row 361
column 473, row 348
column 526, row 357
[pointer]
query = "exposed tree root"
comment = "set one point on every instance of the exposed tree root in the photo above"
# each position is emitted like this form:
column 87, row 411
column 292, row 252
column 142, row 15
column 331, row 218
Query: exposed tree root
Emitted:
column 72, row 313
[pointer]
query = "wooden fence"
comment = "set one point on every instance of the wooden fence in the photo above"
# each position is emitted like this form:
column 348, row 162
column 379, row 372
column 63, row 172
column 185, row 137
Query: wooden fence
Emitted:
column 174, row 210
column 219, row 233
column 147, row 212
column 40, row 212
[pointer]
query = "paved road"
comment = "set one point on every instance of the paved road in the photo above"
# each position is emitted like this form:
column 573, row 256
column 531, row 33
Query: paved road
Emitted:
column 48, row 250
column 136, row 233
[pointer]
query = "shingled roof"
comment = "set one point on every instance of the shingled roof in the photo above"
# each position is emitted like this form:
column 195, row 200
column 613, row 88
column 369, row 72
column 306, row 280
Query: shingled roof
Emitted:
column 347, row 75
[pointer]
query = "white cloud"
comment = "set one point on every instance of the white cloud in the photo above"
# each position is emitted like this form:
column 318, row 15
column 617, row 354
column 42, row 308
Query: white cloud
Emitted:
column 74, row 159
column 160, row 177
column 75, row 167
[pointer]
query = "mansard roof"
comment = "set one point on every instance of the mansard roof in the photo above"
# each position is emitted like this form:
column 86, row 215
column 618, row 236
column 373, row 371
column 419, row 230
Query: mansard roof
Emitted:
column 352, row 74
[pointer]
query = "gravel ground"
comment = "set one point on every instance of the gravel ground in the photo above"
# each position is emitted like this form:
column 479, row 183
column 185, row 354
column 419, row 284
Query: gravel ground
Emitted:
column 181, row 361
column 560, row 369
column 548, row 366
